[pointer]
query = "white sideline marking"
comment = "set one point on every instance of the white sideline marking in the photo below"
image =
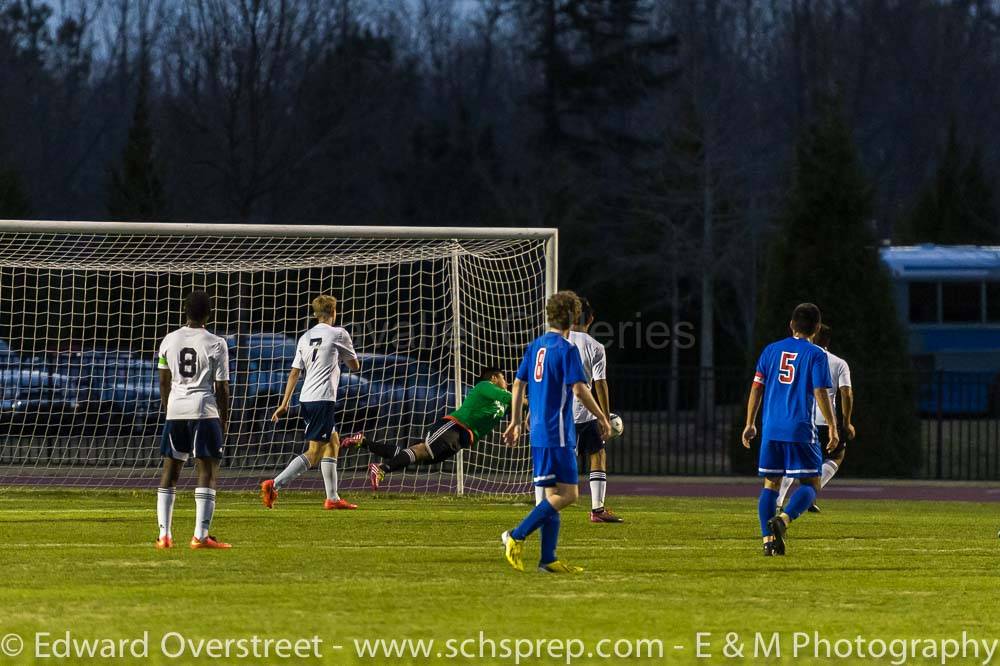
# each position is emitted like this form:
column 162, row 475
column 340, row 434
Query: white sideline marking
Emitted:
column 252, row 544
column 34, row 512
column 453, row 547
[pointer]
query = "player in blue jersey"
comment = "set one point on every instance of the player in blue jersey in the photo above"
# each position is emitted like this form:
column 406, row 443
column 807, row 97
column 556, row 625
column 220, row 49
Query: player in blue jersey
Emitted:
column 792, row 378
column 551, row 373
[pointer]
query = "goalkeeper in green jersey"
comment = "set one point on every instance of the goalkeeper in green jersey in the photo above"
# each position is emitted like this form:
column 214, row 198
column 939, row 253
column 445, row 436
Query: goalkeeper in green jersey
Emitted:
column 484, row 407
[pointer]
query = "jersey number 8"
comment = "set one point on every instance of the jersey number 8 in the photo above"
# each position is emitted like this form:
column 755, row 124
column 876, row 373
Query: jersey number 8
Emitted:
column 188, row 362
column 539, row 364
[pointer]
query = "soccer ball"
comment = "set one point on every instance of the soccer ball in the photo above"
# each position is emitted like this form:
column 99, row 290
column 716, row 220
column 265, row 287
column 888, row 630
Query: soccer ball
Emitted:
column 617, row 427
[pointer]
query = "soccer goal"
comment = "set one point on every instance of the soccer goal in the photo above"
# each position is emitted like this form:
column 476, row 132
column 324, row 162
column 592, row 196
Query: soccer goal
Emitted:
column 83, row 306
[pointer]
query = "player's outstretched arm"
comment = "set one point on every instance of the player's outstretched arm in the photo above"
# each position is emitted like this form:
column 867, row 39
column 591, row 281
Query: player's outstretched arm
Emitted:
column 753, row 406
column 513, row 432
column 583, row 394
column 826, row 409
column 222, row 401
column 165, row 380
column 847, row 405
column 293, row 379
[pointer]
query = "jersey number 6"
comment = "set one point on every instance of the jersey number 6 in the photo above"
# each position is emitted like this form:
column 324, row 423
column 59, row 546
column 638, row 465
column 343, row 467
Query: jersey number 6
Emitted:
column 786, row 373
column 539, row 364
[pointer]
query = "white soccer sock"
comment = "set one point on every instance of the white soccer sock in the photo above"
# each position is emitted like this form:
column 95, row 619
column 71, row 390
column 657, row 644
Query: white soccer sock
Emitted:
column 598, row 487
column 294, row 470
column 829, row 469
column 165, row 509
column 328, row 466
column 786, row 483
column 204, row 502
column 539, row 495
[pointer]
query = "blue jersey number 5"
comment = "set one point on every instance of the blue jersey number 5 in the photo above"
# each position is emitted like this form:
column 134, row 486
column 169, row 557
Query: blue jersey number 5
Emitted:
column 786, row 371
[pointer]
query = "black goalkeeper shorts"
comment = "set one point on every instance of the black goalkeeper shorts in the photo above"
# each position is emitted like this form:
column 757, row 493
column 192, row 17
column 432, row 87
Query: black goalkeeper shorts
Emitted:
column 446, row 438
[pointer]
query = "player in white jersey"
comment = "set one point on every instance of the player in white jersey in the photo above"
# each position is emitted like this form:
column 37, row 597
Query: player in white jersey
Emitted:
column 840, row 376
column 588, row 438
column 319, row 353
column 194, row 390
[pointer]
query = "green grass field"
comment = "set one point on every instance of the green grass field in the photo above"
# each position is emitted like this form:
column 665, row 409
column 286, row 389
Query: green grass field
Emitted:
column 432, row 569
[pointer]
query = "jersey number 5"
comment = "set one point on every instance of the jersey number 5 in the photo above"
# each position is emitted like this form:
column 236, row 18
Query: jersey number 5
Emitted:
column 539, row 364
column 188, row 362
column 786, row 371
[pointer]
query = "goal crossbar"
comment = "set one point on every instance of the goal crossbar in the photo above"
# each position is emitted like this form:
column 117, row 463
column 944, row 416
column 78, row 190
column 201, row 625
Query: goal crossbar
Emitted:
column 272, row 230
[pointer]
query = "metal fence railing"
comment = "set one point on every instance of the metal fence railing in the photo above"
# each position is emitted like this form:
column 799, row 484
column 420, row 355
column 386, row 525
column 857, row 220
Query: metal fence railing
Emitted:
column 959, row 425
column 689, row 421
column 677, row 421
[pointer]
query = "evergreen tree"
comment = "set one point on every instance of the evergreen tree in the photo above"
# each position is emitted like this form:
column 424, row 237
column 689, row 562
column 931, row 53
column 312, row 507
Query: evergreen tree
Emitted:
column 596, row 64
column 136, row 191
column 957, row 206
column 824, row 251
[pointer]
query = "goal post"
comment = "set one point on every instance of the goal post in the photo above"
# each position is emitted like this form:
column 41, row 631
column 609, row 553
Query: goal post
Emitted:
column 84, row 305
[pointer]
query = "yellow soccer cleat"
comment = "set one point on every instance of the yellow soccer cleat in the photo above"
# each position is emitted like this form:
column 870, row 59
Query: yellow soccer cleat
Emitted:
column 558, row 567
column 513, row 551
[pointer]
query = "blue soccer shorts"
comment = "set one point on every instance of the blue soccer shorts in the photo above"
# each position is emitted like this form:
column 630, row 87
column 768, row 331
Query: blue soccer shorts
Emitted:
column 554, row 464
column 796, row 460
column 319, row 418
column 183, row 438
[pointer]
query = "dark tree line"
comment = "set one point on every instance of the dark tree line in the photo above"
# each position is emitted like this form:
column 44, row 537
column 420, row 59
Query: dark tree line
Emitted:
column 660, row 137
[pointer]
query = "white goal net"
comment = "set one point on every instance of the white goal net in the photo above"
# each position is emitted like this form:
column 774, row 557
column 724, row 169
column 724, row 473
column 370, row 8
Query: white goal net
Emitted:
column 83, row 307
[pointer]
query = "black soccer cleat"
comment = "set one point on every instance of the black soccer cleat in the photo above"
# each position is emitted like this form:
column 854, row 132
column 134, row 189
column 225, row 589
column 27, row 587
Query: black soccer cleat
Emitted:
column 814, row 509
column 778, row 529
column 772, row 549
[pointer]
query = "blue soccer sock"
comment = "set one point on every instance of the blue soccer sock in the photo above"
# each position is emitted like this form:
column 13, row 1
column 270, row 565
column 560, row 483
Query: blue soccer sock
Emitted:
column 550, row 538
column 766, row 507
column 803, row 498
column 541, row 513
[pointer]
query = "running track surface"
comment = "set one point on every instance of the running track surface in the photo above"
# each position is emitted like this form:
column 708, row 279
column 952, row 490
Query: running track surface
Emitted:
column 837, row 489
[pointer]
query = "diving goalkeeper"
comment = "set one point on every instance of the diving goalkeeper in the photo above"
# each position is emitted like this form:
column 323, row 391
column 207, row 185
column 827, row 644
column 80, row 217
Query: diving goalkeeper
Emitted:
column 484, row 407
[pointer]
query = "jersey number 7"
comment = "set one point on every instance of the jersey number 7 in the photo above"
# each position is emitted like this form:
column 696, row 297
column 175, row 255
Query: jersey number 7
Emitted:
column 786, row 371
column 315, row 343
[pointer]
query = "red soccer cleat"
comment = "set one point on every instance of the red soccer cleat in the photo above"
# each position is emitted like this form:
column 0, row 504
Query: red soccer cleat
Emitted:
column 375, row 475
column 605, row 516
column 338, row 504
column 268, row 495
column 208, row 542
column 164, row 542
column 352, row 440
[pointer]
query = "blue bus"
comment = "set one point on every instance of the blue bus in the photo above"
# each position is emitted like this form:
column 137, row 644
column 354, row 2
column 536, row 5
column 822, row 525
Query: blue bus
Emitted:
column 949, row 300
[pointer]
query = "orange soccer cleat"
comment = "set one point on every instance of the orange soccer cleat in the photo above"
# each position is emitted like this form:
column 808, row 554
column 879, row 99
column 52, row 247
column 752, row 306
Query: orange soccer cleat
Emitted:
column 208, row 542
column 268, row 495
column 338, row 504
column 164, row 542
